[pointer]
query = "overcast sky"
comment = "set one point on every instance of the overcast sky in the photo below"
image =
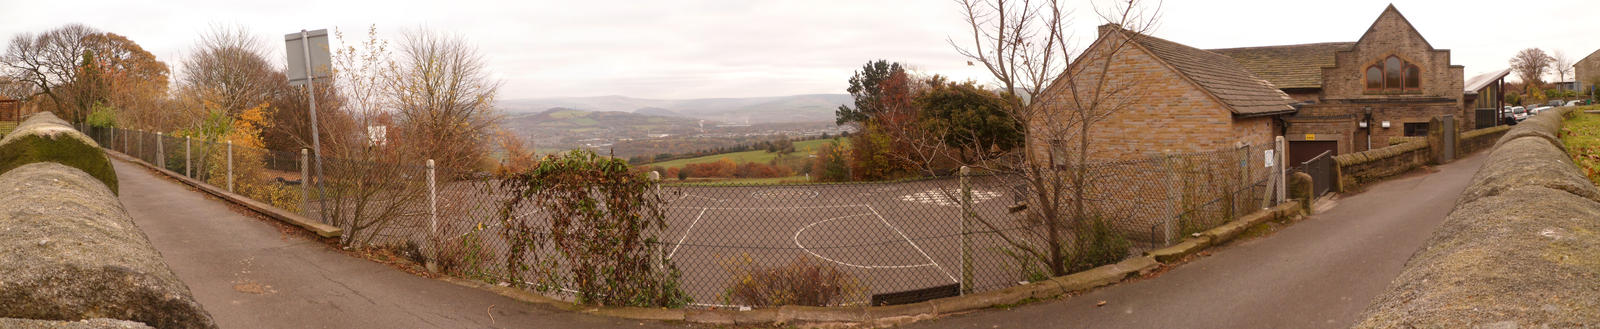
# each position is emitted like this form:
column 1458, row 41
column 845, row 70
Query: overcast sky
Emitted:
column 744, row 48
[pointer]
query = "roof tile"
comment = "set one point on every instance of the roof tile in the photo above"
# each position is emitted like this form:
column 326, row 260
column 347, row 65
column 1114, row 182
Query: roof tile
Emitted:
column 1290, row 66
column 1241, row 90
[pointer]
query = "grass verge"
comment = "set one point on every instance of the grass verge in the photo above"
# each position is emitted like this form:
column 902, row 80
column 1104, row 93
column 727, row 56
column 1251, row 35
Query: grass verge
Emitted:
column 1581, row 134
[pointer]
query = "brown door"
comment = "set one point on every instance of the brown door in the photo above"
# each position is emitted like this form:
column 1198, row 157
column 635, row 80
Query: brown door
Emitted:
column 1302, row 151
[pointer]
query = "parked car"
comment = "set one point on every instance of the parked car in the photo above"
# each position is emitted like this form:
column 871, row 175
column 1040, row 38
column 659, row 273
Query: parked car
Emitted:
column 1537, row 110
column 1516, row 114
column 1553, row 103
column 1574, row 103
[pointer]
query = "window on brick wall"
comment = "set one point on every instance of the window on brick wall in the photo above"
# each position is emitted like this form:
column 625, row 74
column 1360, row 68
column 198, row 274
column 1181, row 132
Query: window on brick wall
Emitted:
column 1374, row 78
column 1416, row 129
column 1393, row 75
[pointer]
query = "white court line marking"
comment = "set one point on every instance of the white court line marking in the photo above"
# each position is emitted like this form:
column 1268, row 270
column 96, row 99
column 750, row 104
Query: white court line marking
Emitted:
column 687, row 195
column 686, row 233
column 808, row 250
column 913, row 244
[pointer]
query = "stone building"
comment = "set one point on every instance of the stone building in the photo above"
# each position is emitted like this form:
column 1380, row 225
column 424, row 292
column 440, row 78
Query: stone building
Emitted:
column 1586, row 71
column 1356, row 96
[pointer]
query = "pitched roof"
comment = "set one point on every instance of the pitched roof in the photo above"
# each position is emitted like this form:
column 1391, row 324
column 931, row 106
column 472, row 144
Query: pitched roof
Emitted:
column 1483, row 80
column 1289, row 66
column 1243, row 92
column 1591, row 56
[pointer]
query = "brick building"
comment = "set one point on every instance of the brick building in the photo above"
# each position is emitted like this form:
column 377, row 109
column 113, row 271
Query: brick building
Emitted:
column 1159, row 96
column 1338, row 96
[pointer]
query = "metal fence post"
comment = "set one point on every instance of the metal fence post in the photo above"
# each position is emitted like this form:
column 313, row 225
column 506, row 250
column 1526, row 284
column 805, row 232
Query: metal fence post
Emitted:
column 188, row 162
column 230, row 166
column 305, row 179
column 655, row 179
column 433, row 221
column 161, row 159
column 1283, row 170
column 433, row 201
column 966, row 236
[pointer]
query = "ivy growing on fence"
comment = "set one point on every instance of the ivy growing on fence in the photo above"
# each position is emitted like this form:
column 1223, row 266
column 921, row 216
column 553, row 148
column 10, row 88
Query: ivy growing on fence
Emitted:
column 595, row 232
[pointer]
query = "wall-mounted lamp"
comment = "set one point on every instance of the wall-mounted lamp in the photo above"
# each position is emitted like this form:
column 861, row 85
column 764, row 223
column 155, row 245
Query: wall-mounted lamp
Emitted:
column 1386, row 124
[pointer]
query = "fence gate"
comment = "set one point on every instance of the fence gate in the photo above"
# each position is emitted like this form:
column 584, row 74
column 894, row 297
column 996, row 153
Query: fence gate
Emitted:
column 1321, row 170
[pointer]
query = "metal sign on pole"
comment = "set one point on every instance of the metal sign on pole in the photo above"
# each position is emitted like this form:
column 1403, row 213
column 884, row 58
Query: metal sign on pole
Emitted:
column 309, row 60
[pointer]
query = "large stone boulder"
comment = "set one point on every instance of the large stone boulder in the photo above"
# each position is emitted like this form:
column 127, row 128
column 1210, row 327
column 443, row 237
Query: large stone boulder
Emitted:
column 44, row 137
column 72, row 253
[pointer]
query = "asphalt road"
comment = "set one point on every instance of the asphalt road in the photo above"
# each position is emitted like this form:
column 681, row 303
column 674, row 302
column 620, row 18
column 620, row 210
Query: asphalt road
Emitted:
column 248, row 274
column 1317, row 273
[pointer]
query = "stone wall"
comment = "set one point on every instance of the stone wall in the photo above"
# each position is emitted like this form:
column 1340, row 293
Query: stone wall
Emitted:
column 1480, row 139
column 1521, row 249
column 1361, row 168
column 72, row 253
column 1366, row 167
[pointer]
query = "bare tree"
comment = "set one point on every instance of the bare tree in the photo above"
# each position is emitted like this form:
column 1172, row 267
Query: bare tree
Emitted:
column 361, row 191
column 1026, row 47
column 1530, row 65
column 1561, row 65
column 228, row 72
column 13, row 89
column 444, row 98
column 48, row 62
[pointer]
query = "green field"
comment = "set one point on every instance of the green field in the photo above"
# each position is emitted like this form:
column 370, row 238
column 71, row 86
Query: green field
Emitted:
column 801, row 149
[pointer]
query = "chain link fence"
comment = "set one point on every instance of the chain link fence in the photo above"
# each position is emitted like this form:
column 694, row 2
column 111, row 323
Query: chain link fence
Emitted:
column 762, row 245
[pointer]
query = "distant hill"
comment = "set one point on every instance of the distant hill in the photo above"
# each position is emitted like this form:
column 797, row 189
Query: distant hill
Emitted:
column 796, row 108
column 561, row 122
column 657, row 111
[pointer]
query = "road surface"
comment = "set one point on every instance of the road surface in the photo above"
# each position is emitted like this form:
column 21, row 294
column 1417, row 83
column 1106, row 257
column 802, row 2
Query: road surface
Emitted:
column 250, row 275
column 1317, row 273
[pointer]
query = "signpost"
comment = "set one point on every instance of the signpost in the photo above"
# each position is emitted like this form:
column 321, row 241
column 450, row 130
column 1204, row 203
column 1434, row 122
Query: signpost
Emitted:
column 309, row 60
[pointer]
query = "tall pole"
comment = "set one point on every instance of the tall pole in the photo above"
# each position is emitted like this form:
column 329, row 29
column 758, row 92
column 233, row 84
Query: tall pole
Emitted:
column 230, row 167
column 316, row 142
column 1282, row 172
column 966, row 236
column 305, row 182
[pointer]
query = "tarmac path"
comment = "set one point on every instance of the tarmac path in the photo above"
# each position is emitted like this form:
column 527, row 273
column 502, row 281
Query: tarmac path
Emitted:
column 1320, row 272
column 248, row 274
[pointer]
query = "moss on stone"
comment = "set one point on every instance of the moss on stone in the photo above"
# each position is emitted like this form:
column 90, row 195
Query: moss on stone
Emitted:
column 22, row 150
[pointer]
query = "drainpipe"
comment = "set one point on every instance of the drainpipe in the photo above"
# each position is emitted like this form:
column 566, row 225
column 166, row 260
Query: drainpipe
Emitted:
column 1368, row 119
